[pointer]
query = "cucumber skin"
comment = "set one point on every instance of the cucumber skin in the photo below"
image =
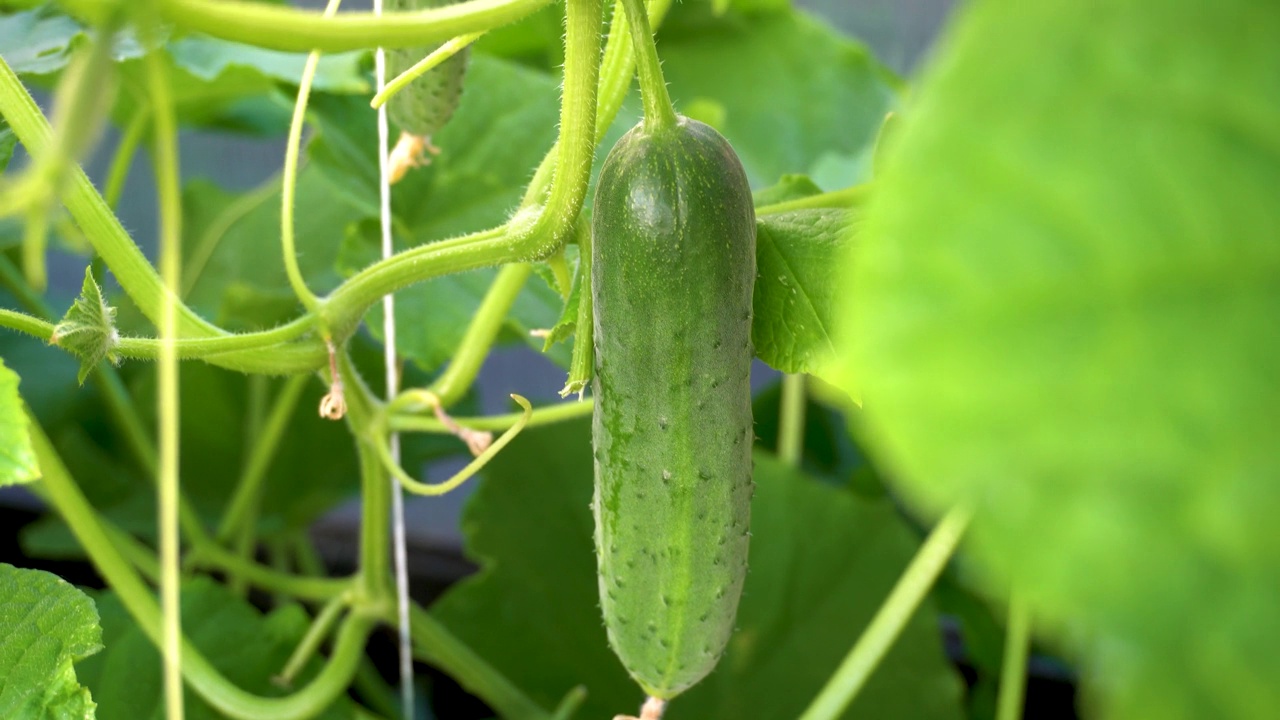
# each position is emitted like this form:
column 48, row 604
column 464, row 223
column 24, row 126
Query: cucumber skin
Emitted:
column 673, row 270
column 427, row 103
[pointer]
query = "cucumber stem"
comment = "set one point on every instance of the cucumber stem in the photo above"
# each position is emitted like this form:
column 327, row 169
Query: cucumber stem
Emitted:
column 891, row 618
column 791, row 420
column 1013, row 675
column 658, row 111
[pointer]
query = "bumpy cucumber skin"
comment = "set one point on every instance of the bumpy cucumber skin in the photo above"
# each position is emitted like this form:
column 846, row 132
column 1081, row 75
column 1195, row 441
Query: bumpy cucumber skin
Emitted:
column 427, row 103
column 673, row 269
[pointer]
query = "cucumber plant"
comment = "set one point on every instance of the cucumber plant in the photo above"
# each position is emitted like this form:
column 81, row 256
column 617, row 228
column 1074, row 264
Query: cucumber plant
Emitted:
column 997, row 246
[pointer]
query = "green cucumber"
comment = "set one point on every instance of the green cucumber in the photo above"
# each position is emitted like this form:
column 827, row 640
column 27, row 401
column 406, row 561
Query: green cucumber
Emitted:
column 673, row 268
column 427, row 103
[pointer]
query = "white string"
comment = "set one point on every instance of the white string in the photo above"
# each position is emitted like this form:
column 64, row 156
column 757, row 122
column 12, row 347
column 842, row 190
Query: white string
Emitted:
column 392, row 374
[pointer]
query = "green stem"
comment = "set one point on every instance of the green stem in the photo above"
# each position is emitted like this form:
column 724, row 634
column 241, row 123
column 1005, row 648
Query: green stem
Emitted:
column 542, row 416
column 375, row 495
column 423, row 66
column 80, row 110
column 1013, row 670
column 122, row 161
column 791, row 420
column 315, row 635
column 209, row 240
column 483, row 330
column 285, row 28
column 374, row 691
column 575, row 148
column 420, row 488
column 433, row 643
column 132, row 591
column 249, row 488
column 289, row 180
column 305, row 556
column 306, row 588
column 119, row 403
column 658, row 111
column 890, row 619
column 245, row 546
column 170, row 201
column 23, row 322
column 850, row 197
column 109, row 239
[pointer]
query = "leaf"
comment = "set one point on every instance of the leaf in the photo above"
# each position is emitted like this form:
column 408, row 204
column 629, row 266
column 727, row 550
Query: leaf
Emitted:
column 504, row 125
column 792, row 186
column 235, row 267
column 246, row 647
column 17, row 459
column 41, row 41
column 1064, row 311
column 821, row 563
column 797, row 262
column 566, row 326
column 45, row 626
column 834, row 92
column 88, row 330
column 209, row 58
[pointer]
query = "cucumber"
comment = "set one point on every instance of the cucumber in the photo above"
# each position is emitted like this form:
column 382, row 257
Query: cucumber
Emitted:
column 673, row 268
column 426, row 104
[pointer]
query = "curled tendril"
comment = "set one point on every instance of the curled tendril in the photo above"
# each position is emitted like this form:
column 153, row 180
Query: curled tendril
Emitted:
column 482, row 459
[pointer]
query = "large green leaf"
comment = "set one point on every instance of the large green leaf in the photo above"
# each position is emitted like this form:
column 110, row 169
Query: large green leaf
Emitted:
column 794, row 94
column 246, row 647
column 17, row 459
column 45, row 626
column 1066, row 313
column 234, row 264
column 798, row 260
column 503, row 127
column 821, row 563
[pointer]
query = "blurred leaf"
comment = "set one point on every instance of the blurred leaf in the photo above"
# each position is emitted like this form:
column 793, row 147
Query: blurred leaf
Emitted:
column 798, row 262
column 209, row 59
column 45, row 626
column 792, row 88
column 41, row 41
column 1066, row 313
column 792, row 186
column 17, row 459
column 88, row 330
column 247, row 648
column 822, row 562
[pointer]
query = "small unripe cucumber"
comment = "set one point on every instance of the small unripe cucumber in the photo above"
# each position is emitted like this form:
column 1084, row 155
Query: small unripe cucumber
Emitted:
column 673, row 268
column 427, row 103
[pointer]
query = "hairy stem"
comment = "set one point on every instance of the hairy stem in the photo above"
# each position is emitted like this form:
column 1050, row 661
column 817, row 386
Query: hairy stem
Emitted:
column 170, row 201
column 137, row 599
column 289, row 179
column 658, row 111
column 483, row 330
column 285, row 28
